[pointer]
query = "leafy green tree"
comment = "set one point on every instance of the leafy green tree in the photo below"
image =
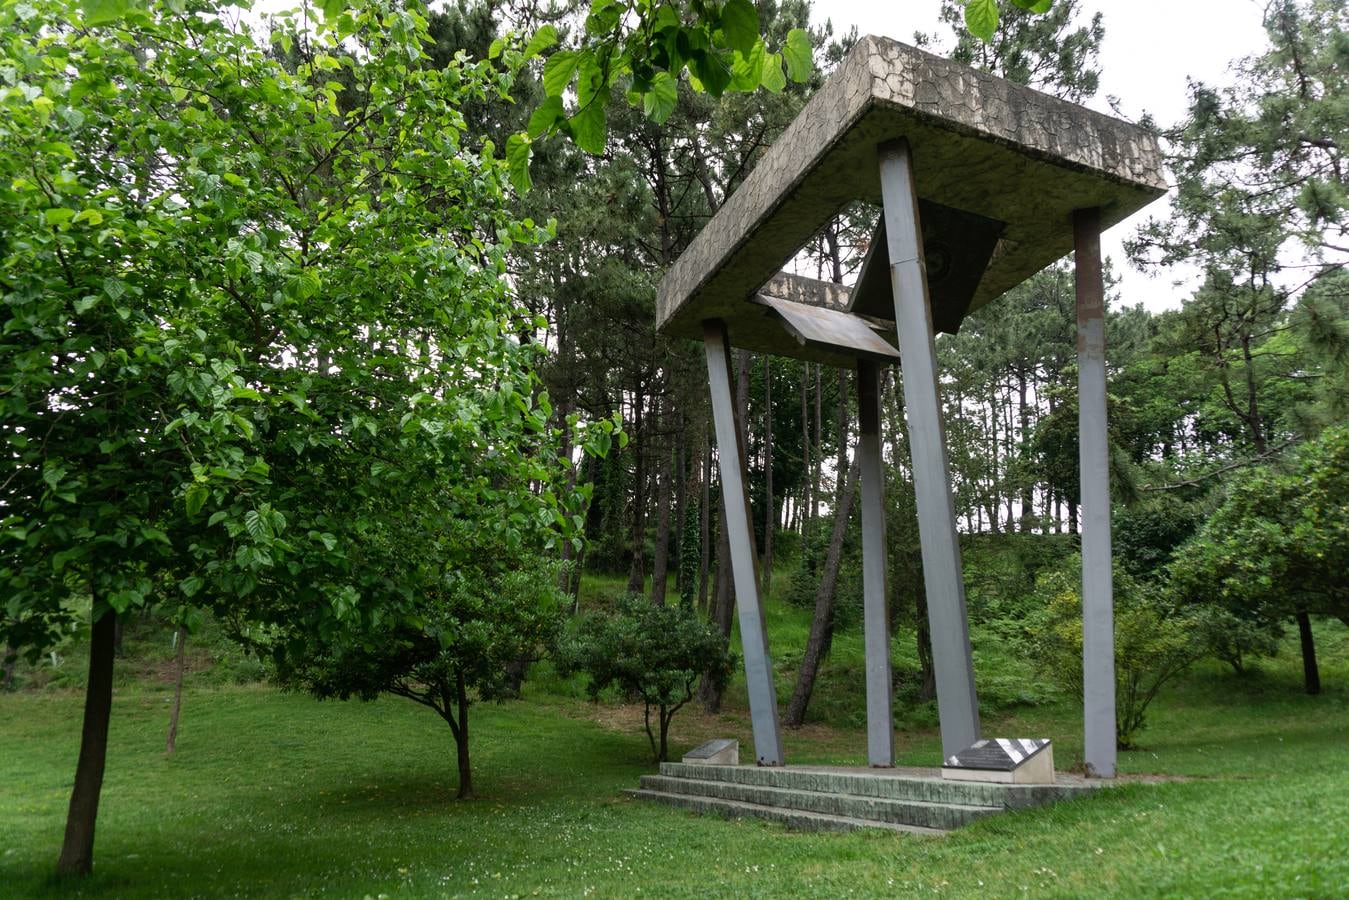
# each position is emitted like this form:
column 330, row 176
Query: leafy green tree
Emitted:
column 1261, row 207
column 655, row 653
column 1032, row 43
column 250, row 332
column 1278, row 546
column 465, row 638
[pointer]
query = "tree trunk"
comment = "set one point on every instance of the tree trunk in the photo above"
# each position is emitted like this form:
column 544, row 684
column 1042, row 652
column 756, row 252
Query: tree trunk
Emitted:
column 822, row 624
column 816, row 474
column 1311, row 673
column 1023, row 416
column 681, row 502
column 660, row 565
column 770, row 508
column 11, row 657
column 705, row 524
column 722, row 609
column 665, row 717
column 805, row 457
column 77, row 852
column 461, row 739
column 841, row 467
column 568, row 551
column 637, row 571
column 179, row 664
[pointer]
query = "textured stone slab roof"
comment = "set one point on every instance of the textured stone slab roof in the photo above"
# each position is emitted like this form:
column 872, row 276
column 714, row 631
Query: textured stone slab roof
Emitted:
column 980, row 144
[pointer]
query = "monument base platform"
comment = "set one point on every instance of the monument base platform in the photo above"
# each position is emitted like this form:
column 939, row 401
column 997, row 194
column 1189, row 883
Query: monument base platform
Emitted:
column 829, row 798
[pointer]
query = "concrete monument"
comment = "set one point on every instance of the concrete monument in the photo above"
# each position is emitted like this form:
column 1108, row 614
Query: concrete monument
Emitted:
column 982, row 183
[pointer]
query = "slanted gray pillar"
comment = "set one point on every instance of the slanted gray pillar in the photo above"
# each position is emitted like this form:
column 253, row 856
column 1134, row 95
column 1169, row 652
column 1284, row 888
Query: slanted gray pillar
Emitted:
column 763, row 701
column 1098, row 605
column 944, row 583
column 875, row 590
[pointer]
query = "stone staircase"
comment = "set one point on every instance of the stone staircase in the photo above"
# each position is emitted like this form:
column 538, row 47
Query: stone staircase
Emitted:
column 822, row 798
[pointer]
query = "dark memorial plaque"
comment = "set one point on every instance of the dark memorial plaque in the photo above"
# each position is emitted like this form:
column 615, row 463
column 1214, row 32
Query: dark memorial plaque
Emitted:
column 717, row 752
column 1007, row 757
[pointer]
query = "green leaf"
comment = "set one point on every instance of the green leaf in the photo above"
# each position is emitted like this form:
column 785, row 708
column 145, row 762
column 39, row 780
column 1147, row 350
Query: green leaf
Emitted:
column 589, row 79
column 495, row 49
column 102, row 12
column 58, row 216
column 1035, row 6
column 981, row 18
column 747, row 70
column 798, row 56
column 195, row 498
column 545, row 116
column 740, row 25
column 333, row 8
column 772, row 77
column 517, row 160
column 660, row 101
column 558, row 71
column 604, row 17
column 254, row 525
column 588, row 127
column 544, row 38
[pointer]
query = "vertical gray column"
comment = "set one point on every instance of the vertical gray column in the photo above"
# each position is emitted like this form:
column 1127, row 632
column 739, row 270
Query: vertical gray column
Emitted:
column 957, row 706
column 875, row 590
column 1098, row 605
column 763, row 701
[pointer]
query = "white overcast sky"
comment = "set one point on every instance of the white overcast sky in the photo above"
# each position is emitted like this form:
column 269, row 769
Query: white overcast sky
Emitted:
column 1151, row 47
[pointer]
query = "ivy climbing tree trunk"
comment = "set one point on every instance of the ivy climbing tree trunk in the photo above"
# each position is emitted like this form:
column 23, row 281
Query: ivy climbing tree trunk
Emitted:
column 77, row 851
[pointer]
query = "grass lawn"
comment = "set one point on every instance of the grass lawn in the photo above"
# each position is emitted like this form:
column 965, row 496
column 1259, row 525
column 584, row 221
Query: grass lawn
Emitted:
column 273, row 794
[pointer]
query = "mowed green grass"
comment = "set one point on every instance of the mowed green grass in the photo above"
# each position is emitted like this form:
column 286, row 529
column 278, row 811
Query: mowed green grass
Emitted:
column 274, row 794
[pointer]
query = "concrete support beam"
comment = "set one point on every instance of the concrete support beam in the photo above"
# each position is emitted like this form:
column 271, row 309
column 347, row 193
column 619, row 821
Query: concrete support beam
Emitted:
column 875, row 590
column 944, row 582
column 1098, row 606
column 763, row 701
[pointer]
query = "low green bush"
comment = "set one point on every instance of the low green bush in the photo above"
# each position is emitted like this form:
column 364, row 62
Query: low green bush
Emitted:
column 655, row 653
column 1154, row 643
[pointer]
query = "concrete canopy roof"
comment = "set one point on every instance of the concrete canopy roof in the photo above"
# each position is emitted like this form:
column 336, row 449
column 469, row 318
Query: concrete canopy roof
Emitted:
column 981, row 145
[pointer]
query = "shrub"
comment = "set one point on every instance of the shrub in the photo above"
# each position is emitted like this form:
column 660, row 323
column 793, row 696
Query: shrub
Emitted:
column 1153, row 643
column 656, row 653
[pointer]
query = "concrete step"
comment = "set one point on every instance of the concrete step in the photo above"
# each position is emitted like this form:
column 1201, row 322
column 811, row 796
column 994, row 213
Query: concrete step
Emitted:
column 920, row 813
column 800, row 820
column 882, row 784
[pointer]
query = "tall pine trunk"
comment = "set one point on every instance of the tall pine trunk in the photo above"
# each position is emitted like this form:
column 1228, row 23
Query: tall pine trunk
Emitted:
column 660, row 565
column 1023, row 418
column 77, row 851
column 723, row 607
column 806, row 498
column 770, row 508
column 637, row 571
column 705, row 523
column 822, row 623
